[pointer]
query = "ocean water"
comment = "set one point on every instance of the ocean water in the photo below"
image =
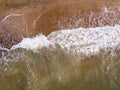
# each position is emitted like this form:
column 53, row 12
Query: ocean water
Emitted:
column 63, row 48
column 75, row 59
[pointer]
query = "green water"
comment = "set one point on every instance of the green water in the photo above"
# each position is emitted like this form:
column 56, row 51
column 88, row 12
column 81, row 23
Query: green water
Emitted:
column 56, row 69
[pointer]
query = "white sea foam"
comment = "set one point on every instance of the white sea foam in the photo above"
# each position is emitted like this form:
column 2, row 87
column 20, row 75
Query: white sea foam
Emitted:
column 33, row 43
column 10, row 16
column 87, row 40
column 80, row 40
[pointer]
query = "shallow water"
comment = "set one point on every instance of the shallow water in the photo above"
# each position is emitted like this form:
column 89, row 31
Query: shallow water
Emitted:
column 57, row 69
column 81, row 49
column 44, row 63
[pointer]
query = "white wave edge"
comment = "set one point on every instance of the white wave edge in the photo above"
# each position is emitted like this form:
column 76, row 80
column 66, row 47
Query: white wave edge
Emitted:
column 33, row 44
column 80, row 40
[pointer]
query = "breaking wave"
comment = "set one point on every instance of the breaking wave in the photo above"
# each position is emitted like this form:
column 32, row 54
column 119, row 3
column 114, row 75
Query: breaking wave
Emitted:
column 81, row 40
column 84, row 54
column 74, row 59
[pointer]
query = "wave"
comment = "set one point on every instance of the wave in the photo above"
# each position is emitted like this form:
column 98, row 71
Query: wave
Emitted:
column 69, row 59
column 33, row 43
column 64, row 60
column 80, row 40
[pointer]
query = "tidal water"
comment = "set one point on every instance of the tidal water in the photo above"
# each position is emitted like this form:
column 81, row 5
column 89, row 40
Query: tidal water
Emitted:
column 81, row 60
column 63, row 48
